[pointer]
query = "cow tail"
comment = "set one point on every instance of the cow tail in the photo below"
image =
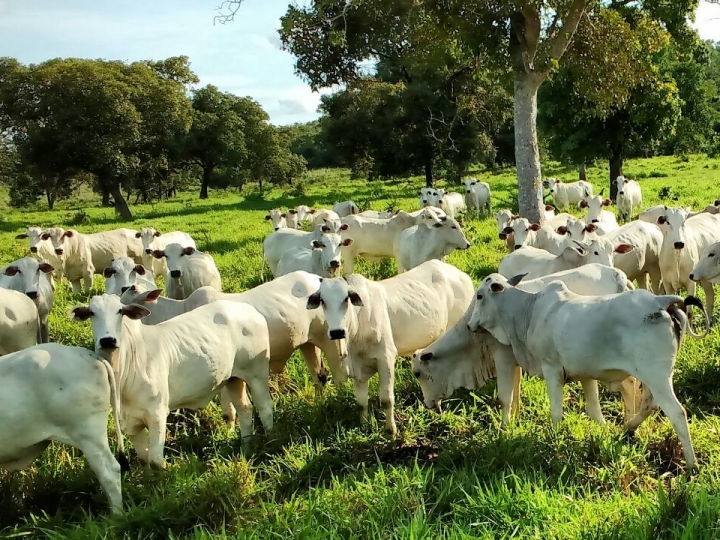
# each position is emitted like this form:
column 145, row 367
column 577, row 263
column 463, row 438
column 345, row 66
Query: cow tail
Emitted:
column 262, row 267
column 115, row 403
column 695, row 301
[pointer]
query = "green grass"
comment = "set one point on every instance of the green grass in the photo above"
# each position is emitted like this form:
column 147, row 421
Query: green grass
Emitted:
column 320, row 474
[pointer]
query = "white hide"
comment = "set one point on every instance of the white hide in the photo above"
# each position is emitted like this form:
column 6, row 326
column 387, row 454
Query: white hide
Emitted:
column 188, row 270
column 629, row 195
column 124, row 272
column 568, row 194
column 424, row 242
column 30, row 277
column 152, row 240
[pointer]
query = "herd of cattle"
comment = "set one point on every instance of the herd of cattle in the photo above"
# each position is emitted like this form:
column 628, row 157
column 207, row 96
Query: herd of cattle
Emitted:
column 154, row 354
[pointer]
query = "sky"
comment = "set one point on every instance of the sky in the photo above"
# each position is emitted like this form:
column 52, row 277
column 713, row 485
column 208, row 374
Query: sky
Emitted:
column 242, row 57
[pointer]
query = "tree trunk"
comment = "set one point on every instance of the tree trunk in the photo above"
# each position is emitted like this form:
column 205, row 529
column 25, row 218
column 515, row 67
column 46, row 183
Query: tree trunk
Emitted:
column 582, row 172
column 527, row 152
column 207, row 173
column 428, row 173
column 50, row 198
column 105, row 198
column 121, row 206
column 260, row 184
column 616, row 169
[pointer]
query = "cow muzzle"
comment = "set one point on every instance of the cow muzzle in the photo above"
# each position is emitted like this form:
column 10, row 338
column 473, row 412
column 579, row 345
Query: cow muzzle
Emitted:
column 277, row 228
column 518, row 246
column 175, row 274
column 595, row 221
column 502, row 236
column 148, row 251
column 337, row 333
column 33, row 249
column 59, row 252
column 679, row 245
column 108, row 343
column 32, row 295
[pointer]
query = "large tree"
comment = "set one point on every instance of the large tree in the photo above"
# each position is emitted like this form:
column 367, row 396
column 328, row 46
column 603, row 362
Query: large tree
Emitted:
column 333, row 39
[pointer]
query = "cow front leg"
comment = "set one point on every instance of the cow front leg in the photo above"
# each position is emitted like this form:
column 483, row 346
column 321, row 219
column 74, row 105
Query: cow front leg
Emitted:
column 311, row 355
column 157, row 428
column 75, row 284
column 592, row 400
column 361, row 398
column 506, row 387
column 88, row 282
column 386, row 374
column 555, row 379
column 140, row 441
column 260, row 392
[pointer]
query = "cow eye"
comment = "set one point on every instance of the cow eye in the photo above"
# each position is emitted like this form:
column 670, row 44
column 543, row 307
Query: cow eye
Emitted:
column 417, row 374
column 711, row 255
column 479, row 296
column 119, row 311
column 454, row 227
column 596, row 253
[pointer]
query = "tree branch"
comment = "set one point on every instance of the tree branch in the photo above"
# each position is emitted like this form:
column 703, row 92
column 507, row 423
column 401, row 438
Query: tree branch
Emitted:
column 531, row 32
column 559, row 43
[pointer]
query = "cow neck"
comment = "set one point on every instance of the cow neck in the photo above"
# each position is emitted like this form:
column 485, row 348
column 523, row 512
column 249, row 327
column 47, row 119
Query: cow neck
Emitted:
column 131, row 356
column 516, row 322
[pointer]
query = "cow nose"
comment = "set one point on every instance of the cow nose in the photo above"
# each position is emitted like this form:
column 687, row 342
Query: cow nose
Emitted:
column 277, row 228
column 175, row 274
column 337, row 334
column 692, row 277
column 32, row 295
column 622, row 192
column 467, row 246
column 108, row 343
column 679, row 245
column 123, row 289
column 518, row 246
column 58, row 251
column 502, row 236
column 148, row 251
column 595, row 221
column 424, row 201
column 334, row 264
column 33, row 250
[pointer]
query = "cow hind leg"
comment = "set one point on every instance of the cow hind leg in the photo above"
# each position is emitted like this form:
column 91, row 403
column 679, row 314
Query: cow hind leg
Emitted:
column 229, row 412
column 655, row 278
column 311, row 355
column 140, row 441
column 362, row 398
column 554, row 379
column 260, row 391
column 77, row 289
column 237, row 394
column 631, row 396
column 592, row 400
column 506, row 388
column 386, row 374
column 709, row 298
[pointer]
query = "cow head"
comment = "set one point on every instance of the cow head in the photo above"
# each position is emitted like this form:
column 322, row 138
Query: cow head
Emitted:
column 448, row 233
column 25, row 275
column 522, row 230
column 328, row 246
column 59, row 238
column 708, row 267
column 34, row 236
column 336, row 297
column 504, row 217
column 486, row 308
column 672, row 224
column 106, row 314
column 148, row 236
column 122, row 273
column 134, row 295
column 175, row 256
column 277, row 218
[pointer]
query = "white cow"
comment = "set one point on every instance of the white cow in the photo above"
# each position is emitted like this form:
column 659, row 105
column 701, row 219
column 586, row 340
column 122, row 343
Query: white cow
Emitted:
column 684, row 239
column 328, row 218
column 427, row 214
column 477, row 195
column 345, row 208
column 30, row 277
column 629, row 195
column 396, row 316
column 373, row 238
column 278, row 243
column 282, row 303
column 42, row 249
column 426, row 197
column 82, row 255
column 569, row 194
column 123, row 272
column 278, row 219
column 424, row 242
column 452, row 203
column 465, row 359
column 323, row 258
column 597, row 215
column 551, row 237
column 52, row 392
column 296, row 216
column 630, row 334
column 19, row 322
column 188, row 270
column 708, row 267
column 182, row 363
column 153, row 239
column 376, row 214
column 643, row 260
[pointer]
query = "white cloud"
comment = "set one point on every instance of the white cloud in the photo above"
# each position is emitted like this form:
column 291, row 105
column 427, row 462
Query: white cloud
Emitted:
column 707, row 21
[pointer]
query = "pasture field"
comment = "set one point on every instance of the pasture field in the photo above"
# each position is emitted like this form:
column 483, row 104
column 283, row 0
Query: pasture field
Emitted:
column 320, row 474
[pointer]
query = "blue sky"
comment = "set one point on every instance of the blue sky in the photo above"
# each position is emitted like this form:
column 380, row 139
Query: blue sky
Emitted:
column 242, row 57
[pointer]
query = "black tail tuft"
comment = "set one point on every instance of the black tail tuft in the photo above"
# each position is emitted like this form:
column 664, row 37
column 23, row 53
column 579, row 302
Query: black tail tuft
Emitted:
column 123, row 461
column 693, row 301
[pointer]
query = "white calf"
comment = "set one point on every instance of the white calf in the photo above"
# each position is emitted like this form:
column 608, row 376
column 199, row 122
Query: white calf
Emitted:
column 477, row 195
column 42, row 248
column 327, row 218
column 188, row 270
column 596, row 215
column 421, row 243
column 452, row 203
column 52, row 392
column 629, row 195
column 182, row 363
column 426, row 197
column 153, row 239
column 278, row 243
column 323, row 259
column 123, row 273
column 396, row 316
column 708, row 267
column 568, row 194
column 30, row 277
column 345, row 208
column 19, row 322
column 278, row 219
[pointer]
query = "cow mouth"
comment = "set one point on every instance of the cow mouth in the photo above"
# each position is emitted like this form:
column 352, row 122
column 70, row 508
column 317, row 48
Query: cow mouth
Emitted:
column 332, row 271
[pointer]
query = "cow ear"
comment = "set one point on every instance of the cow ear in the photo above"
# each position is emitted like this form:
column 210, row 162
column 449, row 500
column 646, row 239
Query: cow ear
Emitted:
column 516, row 279
column 590, row 227
column 45, row 236
column 661, row 220
column 562, row 230
column 549, row 208
column 267, row 217
column 292, row 211
column 139, row 269
column 151, row 296
column 312, row 211
column 69, row 234
column 283, row 215
column 21, row 236
column 80, row 313
column 624, row 248
column 189, row 250
column 158, row 253
column 355, row 299
column 344, row 227
column 583, row 204
column 313, row 301
column 135, row 311
column 317, row 244
column 716, row 202
column 601, row 192
column 507, row 230
column 109, row 272
column 138, row 235
column 626, row 181
column 497, row 288
column 46, row 268
column 607, row 202
column 425, row 357
column 157, row 233
column 11, row 271
column 535, row 227
column 347, row 242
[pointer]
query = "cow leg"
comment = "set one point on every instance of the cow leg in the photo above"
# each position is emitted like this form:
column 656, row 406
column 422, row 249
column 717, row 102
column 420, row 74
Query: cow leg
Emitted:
column 226, row 404
column 592, row 400
column 237, row 394
column 655, row 277
column 506, row 388
column 709, row 298
column 516, row 392
column 157, row 429
column 668, row 402
column 554, row 378
column 361, row 398
column 141, row 441
column 76, row 286
column 260, row 391
column 102, row 462
column 386, row 374
column 311, row 354
column 88, row 278
column 642, row 280
column 44, row 334
column 647, row 406
column 631, row 396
